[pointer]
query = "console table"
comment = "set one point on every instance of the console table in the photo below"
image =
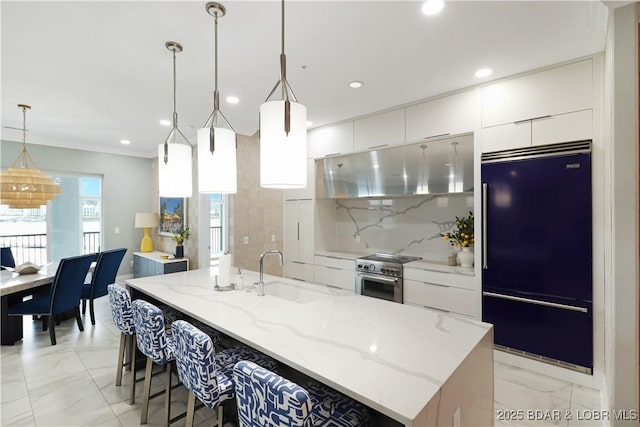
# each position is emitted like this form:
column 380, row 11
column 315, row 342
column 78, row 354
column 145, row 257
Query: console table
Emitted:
column 154, row 263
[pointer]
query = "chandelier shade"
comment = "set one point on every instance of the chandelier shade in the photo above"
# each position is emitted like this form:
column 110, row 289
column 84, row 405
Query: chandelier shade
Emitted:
column 174, row 157
column 217, row 171
column 23, row 185
column 174, row 176
column 283, row 134
column 283, row 158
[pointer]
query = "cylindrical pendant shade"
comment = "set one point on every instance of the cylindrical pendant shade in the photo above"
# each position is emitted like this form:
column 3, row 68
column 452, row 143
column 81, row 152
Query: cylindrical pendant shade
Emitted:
column 174, row 178
column 217, row 171
column 283, row 159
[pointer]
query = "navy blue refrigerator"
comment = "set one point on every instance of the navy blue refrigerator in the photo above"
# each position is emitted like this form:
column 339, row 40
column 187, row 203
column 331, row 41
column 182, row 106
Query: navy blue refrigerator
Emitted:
column 537, row 254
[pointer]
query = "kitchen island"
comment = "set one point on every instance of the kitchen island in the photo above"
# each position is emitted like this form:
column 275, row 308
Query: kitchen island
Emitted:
column 417, row 366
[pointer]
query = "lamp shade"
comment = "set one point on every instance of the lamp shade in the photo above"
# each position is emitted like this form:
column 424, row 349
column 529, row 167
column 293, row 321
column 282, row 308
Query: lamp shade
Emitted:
column 147, row 220
column 283, row 158
column 174, row 177
column 217, row 170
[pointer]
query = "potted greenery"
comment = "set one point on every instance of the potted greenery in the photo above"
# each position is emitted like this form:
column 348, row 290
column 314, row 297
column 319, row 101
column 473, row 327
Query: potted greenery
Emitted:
column 180, row 237
column 463, row 236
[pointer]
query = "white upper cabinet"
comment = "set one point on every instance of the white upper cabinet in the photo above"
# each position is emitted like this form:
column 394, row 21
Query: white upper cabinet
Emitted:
column 563, row 89
column 562, row 128
column 308, row 192
column 449, row 115
column 330, row 141
column 379, row 131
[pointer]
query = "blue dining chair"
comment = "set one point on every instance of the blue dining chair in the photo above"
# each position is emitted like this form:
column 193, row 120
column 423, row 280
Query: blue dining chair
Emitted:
column 6, row 258
column 103, row 275
column 64, row 294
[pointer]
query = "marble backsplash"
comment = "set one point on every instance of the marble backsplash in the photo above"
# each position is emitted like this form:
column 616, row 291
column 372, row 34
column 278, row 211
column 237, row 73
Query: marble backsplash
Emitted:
column 408, row 225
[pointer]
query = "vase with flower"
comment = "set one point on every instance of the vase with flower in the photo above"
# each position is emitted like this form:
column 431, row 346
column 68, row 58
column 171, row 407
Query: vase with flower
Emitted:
column 180, row 237
column 462, row 237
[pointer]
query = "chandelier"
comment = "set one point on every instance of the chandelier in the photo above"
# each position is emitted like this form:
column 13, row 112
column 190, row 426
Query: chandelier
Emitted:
column 23, row 185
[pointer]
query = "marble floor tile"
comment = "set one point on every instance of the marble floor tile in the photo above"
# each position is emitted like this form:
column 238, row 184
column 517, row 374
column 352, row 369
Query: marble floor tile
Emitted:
column 73, row 384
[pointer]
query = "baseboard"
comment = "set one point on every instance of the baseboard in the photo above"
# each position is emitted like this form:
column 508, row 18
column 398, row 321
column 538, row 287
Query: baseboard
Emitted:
column 544, row 368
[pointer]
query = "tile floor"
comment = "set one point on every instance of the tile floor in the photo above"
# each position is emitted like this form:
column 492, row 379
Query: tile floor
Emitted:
column 73, row 384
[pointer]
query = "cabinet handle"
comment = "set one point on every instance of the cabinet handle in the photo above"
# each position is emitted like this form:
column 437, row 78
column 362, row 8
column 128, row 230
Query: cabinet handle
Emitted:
column 536, row 302
column 333, row 268
column 298, row 262
column 332, row 154
column 298, row 231
column 436, row 284
column 435, row 136
column 485, row 192
column 531, row 119
column 377, row 146
column 541, row 117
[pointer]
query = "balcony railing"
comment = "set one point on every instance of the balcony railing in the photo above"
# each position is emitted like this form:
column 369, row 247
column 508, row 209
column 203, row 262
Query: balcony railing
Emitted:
column 33, row 247
column 215, row 239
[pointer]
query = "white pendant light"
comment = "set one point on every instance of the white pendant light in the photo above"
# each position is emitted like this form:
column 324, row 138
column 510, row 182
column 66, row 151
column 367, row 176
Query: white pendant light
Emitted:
column 283, row 135
column 174, row 158
column 216, row 145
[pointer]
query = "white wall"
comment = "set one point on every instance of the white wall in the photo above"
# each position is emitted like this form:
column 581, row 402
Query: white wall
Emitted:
column 621, row 281
column 127, row 184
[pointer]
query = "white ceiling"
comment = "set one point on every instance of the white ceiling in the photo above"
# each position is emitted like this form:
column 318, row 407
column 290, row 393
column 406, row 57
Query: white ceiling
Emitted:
column 98, row 72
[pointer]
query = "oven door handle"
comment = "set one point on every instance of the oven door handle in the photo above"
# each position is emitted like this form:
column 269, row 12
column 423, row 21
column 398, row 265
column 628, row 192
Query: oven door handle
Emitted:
column 379, row 278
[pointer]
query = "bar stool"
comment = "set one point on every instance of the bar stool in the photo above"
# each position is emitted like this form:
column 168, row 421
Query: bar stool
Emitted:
column 122, row 315
column 158, row 346
column 196, row 364
column 265, row 399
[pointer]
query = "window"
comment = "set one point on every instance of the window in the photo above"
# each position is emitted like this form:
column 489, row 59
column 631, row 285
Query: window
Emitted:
column 70, row 225
column 217, row 225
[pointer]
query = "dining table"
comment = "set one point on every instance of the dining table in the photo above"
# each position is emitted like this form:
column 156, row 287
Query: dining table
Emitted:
column 13, row 288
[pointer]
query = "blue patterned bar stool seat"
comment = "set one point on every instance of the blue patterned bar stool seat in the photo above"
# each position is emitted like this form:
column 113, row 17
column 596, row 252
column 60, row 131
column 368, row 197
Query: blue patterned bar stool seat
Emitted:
column 266, row 399
column 226, row 359
column 196, row 364
column 122, row 315
column 158, row 346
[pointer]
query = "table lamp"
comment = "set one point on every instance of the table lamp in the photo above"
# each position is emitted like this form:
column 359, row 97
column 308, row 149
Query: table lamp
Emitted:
column 147, row 220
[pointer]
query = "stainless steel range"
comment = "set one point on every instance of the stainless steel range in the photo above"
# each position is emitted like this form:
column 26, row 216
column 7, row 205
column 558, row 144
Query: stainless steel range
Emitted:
column 380, row 276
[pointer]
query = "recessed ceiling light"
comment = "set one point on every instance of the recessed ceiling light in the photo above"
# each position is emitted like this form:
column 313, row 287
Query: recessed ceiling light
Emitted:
column 484, row 72
column 432, row 7
column 164, row 122
column 356, row 84
column 309, row 123
column 125, row 142
column 233, row 99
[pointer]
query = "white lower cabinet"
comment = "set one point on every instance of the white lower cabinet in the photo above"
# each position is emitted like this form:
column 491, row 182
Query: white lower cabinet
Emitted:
column 336, row 272
column 299, row 270
column 441, row 297
column 455, row 293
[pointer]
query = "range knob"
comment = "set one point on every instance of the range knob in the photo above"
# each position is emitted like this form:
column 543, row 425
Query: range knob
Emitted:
column 359, row 266
column 371, row 267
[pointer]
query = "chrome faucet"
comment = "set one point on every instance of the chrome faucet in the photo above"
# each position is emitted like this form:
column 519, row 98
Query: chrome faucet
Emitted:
column 260, row 283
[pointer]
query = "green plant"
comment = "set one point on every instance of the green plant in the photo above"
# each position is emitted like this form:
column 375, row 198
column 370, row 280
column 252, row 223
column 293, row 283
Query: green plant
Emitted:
column 181, row 236
column 462, row 235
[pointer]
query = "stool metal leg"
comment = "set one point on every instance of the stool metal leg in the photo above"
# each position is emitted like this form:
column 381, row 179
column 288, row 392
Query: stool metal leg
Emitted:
column 121, row 351
column 167, row 398
column 219, row 414
column 132, row 366
column 144, row 411
column 191, row 405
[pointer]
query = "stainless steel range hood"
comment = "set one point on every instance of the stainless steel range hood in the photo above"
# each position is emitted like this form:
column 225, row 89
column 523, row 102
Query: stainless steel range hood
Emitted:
column 431, row 167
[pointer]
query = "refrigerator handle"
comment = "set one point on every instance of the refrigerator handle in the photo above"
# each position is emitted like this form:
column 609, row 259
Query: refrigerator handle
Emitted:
column 485, row 189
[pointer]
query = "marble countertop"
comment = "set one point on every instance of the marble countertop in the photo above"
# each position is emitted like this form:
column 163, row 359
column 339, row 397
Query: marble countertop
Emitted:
column 393, row 358
column 342, row 255
column 442, row 267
